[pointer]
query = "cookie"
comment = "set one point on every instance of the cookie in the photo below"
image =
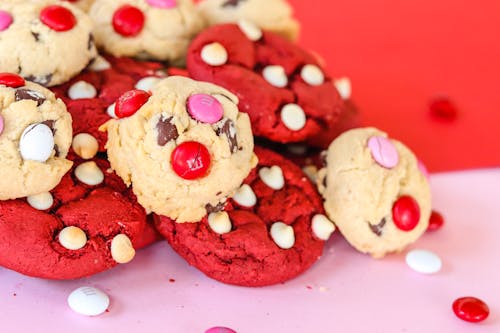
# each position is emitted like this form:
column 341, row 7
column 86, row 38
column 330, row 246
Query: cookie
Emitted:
column 35, row 136
column 46, row 42
column 271, row 231
column 82, row 4
column 375, row 192
column 146, row 29
column 271, row 15
column 177, row 146
column 283, row 88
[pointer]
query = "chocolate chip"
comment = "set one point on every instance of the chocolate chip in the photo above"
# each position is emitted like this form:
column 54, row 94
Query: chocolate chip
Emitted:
column 166, row 131
column 43, row 80
column 50, row 124
column 211, row 209
column 324, row 181
column 323, row 157
column 36, row 35
column 23, row 94
column 56, row 149
column 231, row 3
column 90, row 42
column 378, row 228
column 229, row 130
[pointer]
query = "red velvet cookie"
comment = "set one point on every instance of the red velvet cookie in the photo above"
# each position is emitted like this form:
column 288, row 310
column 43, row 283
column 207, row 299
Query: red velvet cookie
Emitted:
column 283, row 88
column 89, row 223
column 271, row 231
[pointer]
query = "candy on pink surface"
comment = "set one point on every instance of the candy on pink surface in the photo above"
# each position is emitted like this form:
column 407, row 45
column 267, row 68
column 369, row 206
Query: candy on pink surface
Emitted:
column 383, row 151
column 58, row 18
column 128, row 21
column 162, row 3
column 5, row 20
column 436, row 221
column 11, row 80
column 220, row 330
column 191, row 160
column 205, row 108
column 406, row 213
column 130, row 102
column 471, row 309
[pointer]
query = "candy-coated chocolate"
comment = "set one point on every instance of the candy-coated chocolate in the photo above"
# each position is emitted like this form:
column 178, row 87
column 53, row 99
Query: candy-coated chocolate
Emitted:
column 471, row 309
column 130, row 102
column 436, row 221
column 11, row 80
column 205, row 108
column 383, row 151
column 5, row 20
column 162, row 3
column 406, row 213
column 191, row 160
column 128, row 21
column 58, row 18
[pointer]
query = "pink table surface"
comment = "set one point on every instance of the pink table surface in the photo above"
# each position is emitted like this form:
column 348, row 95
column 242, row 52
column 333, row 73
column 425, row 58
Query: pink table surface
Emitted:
column 344, row 292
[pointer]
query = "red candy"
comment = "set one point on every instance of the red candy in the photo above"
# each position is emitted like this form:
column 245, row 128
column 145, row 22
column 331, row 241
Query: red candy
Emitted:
column 471, row 309
column 11, row 80
column 406, row 213
column 58, row 18
column 128, row 21
column 436, row 221
column 444, row 109
column 191, row 160
column 130, row 102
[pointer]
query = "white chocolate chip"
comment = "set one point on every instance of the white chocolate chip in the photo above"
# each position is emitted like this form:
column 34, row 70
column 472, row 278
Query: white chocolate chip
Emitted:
column 89, row 173
column 283, row 235
column 312, row 75
column 85, row 145
column 250, row 30
column 275, row 75
column 72, row 238
column 122, row 250
column 293, row 116
column 311, row 171
column 99, row 64
column 245, row 196
column 88, row 301
column 37, row 143
column 147, row 83
column 272, row 177
column 214, row 54
column 42, row 201
column 322, row 227
column 344, row 88
column 220, row 223
column 111, row 111
column 81, row 90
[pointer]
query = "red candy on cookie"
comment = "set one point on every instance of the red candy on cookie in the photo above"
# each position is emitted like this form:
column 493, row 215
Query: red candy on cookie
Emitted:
column 191, row 160
column 58, row 18
column 130, row 102
column 11, row 80
column 128, row 21
column 406, row 213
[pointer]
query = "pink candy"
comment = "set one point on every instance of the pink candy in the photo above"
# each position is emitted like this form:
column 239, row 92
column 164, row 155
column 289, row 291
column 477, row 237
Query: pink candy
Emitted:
column 383, row 151
column 1, row 124
column 423, row 169
column 205, row 108
column 162, row 3
column 220, row 330
column 5, row 20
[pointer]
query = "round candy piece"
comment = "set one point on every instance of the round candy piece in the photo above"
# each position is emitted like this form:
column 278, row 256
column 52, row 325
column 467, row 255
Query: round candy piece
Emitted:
column 471, row 309
column 58, row 18
column 406, row 213
column 443, row 109
column 1, row 124
column 5, row 20
column 383, row 151
column 88, row 301
column 191, row 160
column 220, row 329
column 11, row 80
column 128, row 21
column 130, row 102
column 37, row 143
column 436, row 221
column 205, row 108
column 423, row 261
column 162, row 3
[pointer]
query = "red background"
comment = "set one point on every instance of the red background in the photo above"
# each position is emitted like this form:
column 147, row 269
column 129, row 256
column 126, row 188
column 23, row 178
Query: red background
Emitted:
column 400, row 55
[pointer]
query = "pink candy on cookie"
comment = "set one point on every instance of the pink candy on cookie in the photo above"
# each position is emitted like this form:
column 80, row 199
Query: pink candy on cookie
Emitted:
column 205, row 108
column 383, row 151
column 5, row 20
column 162, row 3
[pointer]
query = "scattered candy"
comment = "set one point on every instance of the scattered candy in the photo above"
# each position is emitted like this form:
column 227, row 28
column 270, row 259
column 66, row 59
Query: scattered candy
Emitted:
column 42, row 201
column 220, row 329
column 312, row 75
column 72, row 238
column 128, row 21
column 436, row 221
column 37, row 143
column 5, row 20
column 219, row 222
column 272, row 177
column 344, row 87
column 245, row 196
column 147, row 83
column 471, row 309
column 191, row 160
column 423, row 261
column 444, row 109
column 283, row 235
column 85, row 145
column 293, row 116
column 406, row 213
column 205, row 108
column 214, row 54
column 383, row 151
column 250, row 30
column 122, row 250
column 275, row 75
column 322, row 227
column 130, row 102
column 58, row 18
column 89, row 173
column 11, row 80
column 81, row 90
column 162, row 3
column 88, row 301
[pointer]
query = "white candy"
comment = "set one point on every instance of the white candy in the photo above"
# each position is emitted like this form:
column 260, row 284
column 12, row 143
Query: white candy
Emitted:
column 85, row 145
column 312, row 75
column 122, row 250
column 89, row 173
column 214, row 54
column 423, row 261
column 111, row 111
column 72, row 238
column 283, row 235
column 42, row 201
column 220, row 223
column 272, row 177
column 81, row 90
column 275, row 75
column 88, row 301
column 37, row 143
column 250, row 30
column 322, row 227
column 147, row 83
column 343, row 86
column 245, row 196
column 99, row 64
column 293, row 116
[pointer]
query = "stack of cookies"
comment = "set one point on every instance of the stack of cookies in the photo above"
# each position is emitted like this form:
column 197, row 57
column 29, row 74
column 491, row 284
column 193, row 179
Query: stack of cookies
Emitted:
column 183, row 129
